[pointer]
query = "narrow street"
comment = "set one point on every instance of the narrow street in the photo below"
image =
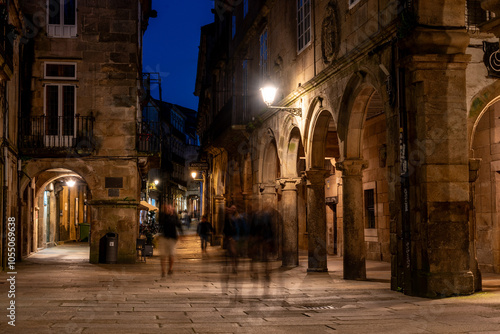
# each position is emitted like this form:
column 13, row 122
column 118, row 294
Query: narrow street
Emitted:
column 58, row 291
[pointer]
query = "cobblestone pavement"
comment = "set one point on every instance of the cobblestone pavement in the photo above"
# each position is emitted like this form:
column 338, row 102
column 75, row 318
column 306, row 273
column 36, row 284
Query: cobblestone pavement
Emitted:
column 58, row 291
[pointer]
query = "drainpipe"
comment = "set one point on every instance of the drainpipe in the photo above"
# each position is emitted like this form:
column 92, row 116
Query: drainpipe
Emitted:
column 404, row 173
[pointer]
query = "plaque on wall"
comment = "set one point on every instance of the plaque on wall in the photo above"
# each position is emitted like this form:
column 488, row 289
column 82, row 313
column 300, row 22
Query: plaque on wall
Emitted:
column 113, row 182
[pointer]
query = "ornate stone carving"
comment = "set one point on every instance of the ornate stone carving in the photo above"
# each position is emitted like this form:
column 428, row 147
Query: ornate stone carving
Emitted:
column 330, row 33
column 491, row 59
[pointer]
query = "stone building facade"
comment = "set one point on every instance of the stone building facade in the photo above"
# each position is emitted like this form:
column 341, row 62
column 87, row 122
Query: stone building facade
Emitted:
column 387, row 148
column 11, row 25
column 76, row 107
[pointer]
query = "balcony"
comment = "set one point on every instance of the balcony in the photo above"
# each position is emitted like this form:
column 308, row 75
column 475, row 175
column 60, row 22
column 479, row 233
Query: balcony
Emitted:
column 44, row 136
column 148, row 138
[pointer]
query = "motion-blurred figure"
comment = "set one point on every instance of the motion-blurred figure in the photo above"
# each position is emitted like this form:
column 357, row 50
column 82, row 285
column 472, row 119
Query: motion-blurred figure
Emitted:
column 169, row 225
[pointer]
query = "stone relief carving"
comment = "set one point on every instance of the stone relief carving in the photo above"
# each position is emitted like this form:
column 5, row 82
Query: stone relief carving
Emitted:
column 330, row 33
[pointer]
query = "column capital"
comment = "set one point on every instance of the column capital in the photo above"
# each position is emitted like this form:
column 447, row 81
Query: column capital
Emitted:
column 316, row 176
column 289, row 183
column 351, row 167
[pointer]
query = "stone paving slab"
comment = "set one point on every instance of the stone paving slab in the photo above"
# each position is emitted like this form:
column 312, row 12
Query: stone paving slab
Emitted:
column 77, row 297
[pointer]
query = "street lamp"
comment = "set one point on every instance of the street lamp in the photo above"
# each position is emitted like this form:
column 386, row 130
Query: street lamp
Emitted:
column 193, row 174
column 268, row 95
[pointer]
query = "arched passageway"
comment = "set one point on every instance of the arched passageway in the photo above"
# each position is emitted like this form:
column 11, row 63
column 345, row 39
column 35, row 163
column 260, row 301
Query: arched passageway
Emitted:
column 54, row 210
column 485, row 190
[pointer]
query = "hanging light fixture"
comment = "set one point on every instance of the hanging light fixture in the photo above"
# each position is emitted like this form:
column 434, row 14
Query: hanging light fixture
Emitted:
column 268, row 95
column 70, row 182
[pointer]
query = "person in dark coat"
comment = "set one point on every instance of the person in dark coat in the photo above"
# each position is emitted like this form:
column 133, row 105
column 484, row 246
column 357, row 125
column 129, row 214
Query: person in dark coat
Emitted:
column 170, row 227
column 204, row 230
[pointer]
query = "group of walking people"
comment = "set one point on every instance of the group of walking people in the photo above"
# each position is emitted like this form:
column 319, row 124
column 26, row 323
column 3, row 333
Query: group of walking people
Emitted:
column 245, row 235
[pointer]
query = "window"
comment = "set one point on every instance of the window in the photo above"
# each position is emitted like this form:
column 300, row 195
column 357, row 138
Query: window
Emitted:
column 61, row 18
column 303, row 23
column 245, row 7
column 369, row 208
column 60, row 70
column 263, row 55
column 352, row 3
column 60, row 103
column 475, row 15
column 233, row 30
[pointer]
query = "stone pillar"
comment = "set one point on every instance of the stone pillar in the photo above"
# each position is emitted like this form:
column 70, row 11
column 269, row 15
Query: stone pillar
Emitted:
column 439, row 184
column 119, row 217
column 52, row 218
column 316, row 220
column 220, row 207
column 290, row 223
column 353, row 225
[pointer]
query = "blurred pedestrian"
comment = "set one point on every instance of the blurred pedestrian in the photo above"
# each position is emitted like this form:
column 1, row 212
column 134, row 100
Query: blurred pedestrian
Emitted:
column 262, row 239
column 230, row 236
column 186, row 220
column 204, row 230
column 170, row 228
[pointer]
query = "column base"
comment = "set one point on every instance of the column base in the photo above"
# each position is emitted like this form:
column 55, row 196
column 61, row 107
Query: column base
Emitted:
column 441, row 285
column 317, row 270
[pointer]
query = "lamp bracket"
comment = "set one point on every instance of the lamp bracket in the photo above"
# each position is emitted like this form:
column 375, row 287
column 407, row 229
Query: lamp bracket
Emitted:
column 293, row 111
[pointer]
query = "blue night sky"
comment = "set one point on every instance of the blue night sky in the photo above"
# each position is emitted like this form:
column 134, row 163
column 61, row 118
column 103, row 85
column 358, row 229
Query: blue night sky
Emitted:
column 171, row 47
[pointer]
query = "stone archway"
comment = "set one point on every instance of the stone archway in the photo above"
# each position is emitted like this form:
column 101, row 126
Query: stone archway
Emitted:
column 365, row 196
column 484, row 177
column 113, row 208
column 322, row 133
column 53, row 211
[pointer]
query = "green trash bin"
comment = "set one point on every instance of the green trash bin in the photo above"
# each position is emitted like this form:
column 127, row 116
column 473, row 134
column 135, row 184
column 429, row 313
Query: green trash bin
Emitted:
column 84, row 232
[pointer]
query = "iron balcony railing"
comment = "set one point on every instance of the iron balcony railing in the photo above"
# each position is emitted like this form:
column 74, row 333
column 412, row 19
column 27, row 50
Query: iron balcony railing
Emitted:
column 45, row 135
column 148, row 137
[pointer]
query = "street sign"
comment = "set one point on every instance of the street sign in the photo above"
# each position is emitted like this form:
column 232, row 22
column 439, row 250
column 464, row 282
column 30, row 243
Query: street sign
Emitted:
column 199, row 165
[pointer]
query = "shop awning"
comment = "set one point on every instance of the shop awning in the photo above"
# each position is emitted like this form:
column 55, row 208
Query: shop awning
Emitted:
column 143, row 205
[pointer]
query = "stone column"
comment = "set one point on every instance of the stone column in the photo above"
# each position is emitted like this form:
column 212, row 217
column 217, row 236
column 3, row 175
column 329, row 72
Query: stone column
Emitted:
column 439, row 184
column 316, row 220
column 220, row 206
column 52, row 218
column 353, row 225
column 290, row 223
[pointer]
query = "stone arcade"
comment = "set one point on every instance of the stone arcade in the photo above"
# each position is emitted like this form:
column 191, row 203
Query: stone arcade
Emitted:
column 398, row 132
